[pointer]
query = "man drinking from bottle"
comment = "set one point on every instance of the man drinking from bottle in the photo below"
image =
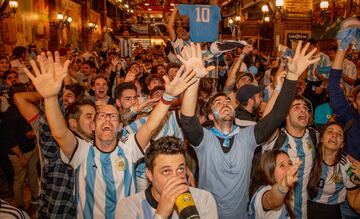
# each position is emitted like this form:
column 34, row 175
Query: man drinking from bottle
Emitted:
column 166, row 169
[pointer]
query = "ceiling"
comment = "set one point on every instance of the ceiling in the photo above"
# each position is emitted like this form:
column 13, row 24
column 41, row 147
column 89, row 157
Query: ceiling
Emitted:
column 166, row 5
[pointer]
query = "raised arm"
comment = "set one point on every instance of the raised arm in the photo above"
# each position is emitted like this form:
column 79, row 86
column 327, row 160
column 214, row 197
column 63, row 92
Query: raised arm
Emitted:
column 191, row 57
column 230, row 81
column 48, row 83
column 170, row 25
column 279, row 81
column 296, row 66
column 338, row 100
column 162, row 36
column 274, row 198
column 25, row 103
column 173, row 88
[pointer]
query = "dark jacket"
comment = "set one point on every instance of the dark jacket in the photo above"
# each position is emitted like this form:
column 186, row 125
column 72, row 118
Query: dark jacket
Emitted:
column 345, row 114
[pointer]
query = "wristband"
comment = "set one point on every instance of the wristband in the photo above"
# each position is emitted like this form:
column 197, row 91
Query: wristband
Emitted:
column 166, row 102
column 167, row 97
column 158, row 216
column 281, row 189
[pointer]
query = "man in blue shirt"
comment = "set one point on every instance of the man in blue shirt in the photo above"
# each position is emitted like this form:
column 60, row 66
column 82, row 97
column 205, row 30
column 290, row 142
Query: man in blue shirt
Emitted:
column 225, row 151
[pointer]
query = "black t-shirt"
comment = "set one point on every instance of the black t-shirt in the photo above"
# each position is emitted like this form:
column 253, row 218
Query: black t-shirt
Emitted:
column 13, row 129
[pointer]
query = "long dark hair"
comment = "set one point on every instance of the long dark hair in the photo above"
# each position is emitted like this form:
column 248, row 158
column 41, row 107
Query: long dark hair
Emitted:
column 264, row 175
column 313, row 185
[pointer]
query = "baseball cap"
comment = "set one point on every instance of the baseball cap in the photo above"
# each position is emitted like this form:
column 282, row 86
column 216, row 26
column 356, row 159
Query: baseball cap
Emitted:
column 247, row 91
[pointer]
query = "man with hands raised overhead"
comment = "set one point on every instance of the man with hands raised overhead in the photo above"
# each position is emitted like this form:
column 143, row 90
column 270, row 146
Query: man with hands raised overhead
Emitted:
column 105, row 165
column 225, row 152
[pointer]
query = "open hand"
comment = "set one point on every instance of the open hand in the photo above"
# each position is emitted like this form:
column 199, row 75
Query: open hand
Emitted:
column 115, row 60
column 291, row 176
column 192, row 59
column 300, row 61
column 48, row 81
column 180, row 82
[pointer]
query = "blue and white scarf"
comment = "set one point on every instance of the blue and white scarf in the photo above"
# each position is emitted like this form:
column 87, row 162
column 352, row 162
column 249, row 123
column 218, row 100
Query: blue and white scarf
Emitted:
column 225, row 136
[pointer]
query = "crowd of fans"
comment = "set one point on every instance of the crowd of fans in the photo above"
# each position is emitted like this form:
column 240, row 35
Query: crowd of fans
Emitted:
column 116, row 132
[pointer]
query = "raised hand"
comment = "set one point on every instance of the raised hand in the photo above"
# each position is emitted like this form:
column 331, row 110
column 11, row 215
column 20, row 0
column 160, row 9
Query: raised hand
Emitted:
column 115, row 60
column 355, row 165
column 291, row 176
column 348, row 33
column 192, row 59
column 280, row 78
column 148, row 104
column 247, row 49
column 300, row 61
column 48, row 81
column 180, row 82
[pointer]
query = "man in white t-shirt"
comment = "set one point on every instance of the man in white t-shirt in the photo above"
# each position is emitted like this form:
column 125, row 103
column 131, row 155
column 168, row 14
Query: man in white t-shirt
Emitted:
column 104, row 167
column 166, row 169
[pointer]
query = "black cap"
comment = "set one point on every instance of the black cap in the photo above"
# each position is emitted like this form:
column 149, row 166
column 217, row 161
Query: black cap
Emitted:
column 247, row 91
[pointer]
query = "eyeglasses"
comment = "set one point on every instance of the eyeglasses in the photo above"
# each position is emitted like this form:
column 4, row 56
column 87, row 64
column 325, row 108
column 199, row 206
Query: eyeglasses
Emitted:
column 103, row 115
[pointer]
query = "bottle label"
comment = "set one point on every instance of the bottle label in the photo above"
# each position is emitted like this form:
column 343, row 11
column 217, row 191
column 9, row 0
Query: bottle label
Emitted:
column 183, row 201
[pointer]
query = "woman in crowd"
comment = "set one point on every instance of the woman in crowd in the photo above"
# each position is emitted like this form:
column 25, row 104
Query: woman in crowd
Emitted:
column 277, row 176
column 4, row 66
column 19, row 62
column 332, row 176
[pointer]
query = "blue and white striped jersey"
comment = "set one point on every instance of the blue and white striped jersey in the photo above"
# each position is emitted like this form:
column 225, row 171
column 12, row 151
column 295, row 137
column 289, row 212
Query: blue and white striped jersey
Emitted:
column 304, row 149
column 125, row 45
column 332, row 187
column 256, row 210
column 103, row 178
column 170, row 128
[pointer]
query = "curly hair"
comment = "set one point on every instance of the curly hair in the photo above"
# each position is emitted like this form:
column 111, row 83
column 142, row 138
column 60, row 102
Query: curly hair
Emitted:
column 165, row 145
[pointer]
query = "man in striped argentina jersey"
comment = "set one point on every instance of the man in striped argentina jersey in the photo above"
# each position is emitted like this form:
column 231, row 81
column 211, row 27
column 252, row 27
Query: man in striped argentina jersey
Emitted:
column 105, row 166
column 298, row 143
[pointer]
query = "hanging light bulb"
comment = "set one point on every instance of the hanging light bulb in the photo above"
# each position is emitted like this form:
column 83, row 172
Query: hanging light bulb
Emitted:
column 265, row 9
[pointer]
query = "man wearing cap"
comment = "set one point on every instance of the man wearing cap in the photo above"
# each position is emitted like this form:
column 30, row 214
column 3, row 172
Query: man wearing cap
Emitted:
column 250, row 98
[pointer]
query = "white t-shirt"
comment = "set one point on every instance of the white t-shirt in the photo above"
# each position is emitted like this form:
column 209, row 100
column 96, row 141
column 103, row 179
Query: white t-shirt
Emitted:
column 257, row 211
column 140, row 207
